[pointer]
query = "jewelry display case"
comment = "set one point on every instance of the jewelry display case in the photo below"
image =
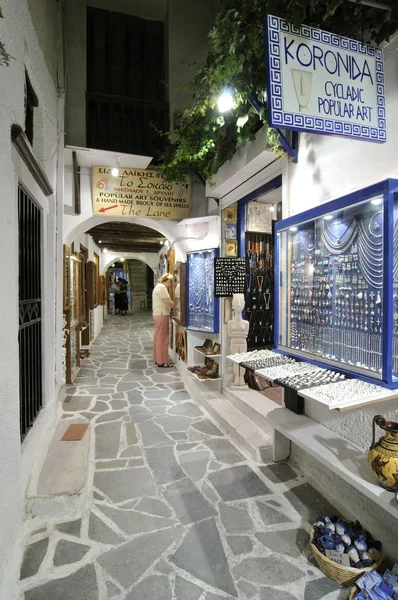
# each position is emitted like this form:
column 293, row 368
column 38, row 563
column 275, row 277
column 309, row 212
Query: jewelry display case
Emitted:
column 337, row 299
column 203, row 306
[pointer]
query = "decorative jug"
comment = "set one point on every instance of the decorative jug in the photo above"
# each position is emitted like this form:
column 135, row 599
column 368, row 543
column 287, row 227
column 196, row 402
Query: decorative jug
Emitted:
column 383, row 455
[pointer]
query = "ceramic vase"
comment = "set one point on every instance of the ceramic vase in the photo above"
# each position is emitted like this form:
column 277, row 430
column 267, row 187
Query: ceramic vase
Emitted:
column 383, row 454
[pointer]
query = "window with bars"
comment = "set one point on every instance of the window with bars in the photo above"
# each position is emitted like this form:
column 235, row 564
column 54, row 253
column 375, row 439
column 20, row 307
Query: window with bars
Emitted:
column 126, row 89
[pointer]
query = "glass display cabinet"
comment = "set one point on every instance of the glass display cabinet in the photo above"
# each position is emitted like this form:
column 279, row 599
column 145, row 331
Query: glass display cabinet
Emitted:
column 202, row 305
column 337, row 298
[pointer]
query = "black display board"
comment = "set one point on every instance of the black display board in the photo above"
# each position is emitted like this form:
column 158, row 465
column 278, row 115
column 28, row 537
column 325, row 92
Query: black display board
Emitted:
column 229, row 276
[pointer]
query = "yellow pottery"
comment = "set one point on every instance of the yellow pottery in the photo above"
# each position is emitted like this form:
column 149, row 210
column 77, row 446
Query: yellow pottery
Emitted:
column 383, row 455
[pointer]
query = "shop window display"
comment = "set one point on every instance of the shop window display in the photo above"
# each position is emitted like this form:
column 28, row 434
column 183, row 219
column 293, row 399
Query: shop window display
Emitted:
column 202, row 309
column 336, row 265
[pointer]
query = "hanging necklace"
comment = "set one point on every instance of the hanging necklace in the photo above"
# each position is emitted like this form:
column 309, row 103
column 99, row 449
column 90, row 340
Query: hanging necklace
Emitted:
column 374, row 226
column 369, row 241
column 339, row 238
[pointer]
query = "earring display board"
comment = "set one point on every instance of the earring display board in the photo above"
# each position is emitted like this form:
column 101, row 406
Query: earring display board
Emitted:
column 180, row 293
column 338, row 296
column 202, row 310
column 259, row 290
column 229, row 276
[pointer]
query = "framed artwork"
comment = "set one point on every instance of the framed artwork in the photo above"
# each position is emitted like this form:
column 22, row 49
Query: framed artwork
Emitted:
column 171, row 334
column 181, row 344
column 227, row 310
column 231, row 248
column 230, row 231
column 229, row 276
column 180, row 293
column 230, row 214
column 258, row 218
column 208, row 344
column 216, row 348
column 66, row 278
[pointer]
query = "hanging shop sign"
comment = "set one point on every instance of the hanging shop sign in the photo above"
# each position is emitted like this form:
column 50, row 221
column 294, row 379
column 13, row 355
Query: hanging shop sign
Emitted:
column 324, row 83
column 139, row 193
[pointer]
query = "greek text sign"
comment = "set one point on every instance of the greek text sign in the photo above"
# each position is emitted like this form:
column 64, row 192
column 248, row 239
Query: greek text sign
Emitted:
column 324, row 83
column 139, row 193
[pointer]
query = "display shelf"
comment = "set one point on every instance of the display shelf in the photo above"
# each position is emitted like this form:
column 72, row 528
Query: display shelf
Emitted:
column 207, row 355
column 337, row 267
column 382, row 396
column 205, row 378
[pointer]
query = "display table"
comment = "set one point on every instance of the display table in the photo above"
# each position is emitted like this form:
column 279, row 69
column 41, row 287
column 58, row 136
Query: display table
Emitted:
column 310, row 382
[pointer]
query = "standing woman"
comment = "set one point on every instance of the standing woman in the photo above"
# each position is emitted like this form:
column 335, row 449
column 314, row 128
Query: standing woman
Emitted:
column 161, row 306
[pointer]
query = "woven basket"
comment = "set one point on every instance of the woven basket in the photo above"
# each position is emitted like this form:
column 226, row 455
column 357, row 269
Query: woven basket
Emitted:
column 343, row 575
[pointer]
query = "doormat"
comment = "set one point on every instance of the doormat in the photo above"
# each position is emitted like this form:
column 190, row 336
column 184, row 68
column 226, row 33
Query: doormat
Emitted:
column 74, row 433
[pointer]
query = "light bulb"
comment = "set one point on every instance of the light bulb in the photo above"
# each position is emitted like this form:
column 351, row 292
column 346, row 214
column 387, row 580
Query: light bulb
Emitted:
column 328, row 217
column 377, row 202
column 225, row 101
column 271, row 208
column 293, row 229
column 121, row 259
column 115, row 172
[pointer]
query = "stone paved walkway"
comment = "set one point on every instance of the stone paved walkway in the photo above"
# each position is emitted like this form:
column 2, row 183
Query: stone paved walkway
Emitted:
column 175, row 511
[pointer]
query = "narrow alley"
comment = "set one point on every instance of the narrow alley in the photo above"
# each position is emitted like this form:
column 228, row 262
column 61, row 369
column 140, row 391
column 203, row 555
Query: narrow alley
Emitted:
column 173, row 510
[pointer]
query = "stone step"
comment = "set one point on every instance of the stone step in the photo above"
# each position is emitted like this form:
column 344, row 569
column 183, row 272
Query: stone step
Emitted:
column 252, row 440
column 254, row 405
column 62, row 484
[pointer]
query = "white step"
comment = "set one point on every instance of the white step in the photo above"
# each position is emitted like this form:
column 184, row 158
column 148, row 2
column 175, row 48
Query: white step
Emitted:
column 253, row 441
column 254, row 405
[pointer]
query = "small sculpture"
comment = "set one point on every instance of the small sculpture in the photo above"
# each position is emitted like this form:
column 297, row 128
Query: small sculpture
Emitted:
column 237, row 332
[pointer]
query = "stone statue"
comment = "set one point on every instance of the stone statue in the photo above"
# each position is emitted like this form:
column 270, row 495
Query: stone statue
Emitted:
column 237, row 332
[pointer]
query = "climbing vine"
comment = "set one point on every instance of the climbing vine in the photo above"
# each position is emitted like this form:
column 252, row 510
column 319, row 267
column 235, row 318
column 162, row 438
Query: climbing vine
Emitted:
column 5, row 58
column 204, row 140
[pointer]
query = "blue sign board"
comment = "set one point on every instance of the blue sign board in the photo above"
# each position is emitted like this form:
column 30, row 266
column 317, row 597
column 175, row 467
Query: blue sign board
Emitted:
column 324, row 83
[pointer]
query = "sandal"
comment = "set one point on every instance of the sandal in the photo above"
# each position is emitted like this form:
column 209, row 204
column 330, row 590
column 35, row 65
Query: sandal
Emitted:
column 167, row 365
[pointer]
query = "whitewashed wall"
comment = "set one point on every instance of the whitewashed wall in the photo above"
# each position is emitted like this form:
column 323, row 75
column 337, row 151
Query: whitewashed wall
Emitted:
column 18, row 34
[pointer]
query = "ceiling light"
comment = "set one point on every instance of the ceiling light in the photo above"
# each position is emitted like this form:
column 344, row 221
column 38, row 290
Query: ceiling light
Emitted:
column 293, row 229
column 100, row 241
column 115, row 172
column 225, row 101
column 328, row 217
column 271, row 208
column 377, row 201
column 122, row 259
column 105, row 250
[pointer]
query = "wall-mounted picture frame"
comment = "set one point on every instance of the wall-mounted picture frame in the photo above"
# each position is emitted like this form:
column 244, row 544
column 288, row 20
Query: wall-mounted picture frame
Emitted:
column 230, row 231
column 66, row 278
column 230, row 214
column 231, row 248
column 258, row 218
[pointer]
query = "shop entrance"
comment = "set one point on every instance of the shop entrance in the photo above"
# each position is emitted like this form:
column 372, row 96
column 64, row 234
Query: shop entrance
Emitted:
column 30, row 312
column 257, row 214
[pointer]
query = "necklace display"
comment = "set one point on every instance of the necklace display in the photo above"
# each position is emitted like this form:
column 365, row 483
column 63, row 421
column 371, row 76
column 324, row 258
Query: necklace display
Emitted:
column 259, row 289
column 335, row 300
